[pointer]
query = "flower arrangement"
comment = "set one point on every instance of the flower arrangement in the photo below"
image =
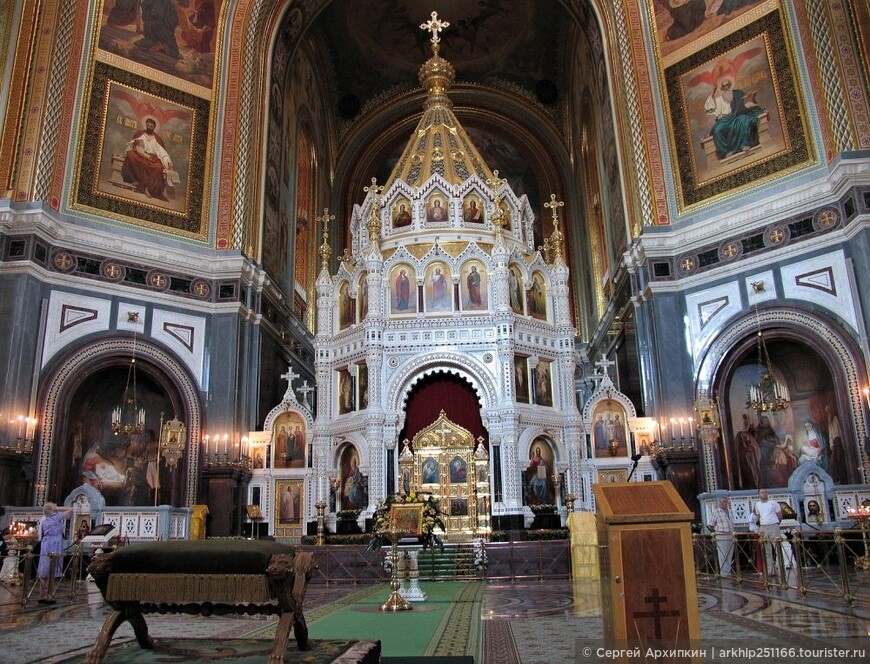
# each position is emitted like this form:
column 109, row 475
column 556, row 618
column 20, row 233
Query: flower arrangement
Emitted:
column 480, row 558
column 431, row 519
column 543, row 509
column 348, row 514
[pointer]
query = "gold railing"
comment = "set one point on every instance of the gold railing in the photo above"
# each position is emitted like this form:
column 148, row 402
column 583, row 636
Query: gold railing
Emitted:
column 822, row 563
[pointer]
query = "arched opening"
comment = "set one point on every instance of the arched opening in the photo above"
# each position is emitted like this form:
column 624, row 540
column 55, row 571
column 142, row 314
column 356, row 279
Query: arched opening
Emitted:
column 763, row 448
column 78, row 397
column 446, row 392
column 123, row 467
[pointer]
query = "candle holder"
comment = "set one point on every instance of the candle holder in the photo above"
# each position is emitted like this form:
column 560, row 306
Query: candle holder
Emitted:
column 569, row 501
column 320, row 506
column 861, row 516
column 395, row 602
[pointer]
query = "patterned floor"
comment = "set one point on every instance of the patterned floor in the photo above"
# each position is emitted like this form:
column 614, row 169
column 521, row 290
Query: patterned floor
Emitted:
column 522, row 623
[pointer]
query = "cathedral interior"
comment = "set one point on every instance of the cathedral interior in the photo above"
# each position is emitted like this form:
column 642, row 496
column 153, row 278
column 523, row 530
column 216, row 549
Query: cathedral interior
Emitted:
column 266, row 266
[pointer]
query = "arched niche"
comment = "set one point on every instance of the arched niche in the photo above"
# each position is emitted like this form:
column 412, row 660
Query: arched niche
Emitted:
column 78, row 395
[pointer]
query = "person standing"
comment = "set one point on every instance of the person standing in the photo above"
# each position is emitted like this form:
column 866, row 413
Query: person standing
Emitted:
column 723, row 527
column 50, row 531
column 768, row 514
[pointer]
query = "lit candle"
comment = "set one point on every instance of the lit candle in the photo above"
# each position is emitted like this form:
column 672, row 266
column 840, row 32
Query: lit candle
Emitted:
column 206, row 446
column 21, row 426
column 691, row 427
column 867, row 396
column 682, row 432
column 246, row 447
column 226, row 445
column 673, row 428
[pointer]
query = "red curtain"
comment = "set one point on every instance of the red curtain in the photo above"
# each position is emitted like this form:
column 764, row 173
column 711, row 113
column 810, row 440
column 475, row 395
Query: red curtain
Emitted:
column 453, row 395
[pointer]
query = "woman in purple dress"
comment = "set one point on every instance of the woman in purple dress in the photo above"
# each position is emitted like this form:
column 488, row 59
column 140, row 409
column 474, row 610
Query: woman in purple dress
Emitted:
column 51, row 542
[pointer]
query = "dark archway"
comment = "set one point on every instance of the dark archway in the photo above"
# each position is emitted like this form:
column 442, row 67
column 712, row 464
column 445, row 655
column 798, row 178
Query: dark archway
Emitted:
column 446, row 392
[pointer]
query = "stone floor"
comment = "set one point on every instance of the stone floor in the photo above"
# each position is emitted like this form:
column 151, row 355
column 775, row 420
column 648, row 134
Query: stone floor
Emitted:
column 548, row 621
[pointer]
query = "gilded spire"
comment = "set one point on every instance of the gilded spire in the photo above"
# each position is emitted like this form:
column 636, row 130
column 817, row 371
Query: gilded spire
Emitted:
column 325, row 249
column 440, row 144
column 555, row 240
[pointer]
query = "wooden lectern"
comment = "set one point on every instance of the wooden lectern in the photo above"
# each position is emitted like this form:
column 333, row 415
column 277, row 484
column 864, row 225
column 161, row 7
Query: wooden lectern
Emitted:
column 647, row 577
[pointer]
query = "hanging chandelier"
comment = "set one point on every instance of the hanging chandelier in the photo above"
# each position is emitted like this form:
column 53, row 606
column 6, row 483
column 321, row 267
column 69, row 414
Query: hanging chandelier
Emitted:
column 128, row 417
column 766, row 395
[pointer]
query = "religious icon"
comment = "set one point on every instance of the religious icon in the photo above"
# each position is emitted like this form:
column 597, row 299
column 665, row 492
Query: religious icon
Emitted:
column 402, row 213
column 363, row 297
column 515, row 290
column 537, row 297
column 473, row 287
column 345, row 306
column 543, row 384
column 539, row 487
column 458, row 470
column 354, row 485
column 345, row 392
column 438, row 288
column 431, row 471
column 521, row 378
column 363, row 377
column 436, row 210
column 609, row 435
column 288, row 502
column 289, row 443
column 472, row 210
column 403, row 296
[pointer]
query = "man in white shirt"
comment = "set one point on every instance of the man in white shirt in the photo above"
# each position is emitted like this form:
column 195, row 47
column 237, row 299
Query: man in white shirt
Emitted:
column 723, row 527
column 768, row 514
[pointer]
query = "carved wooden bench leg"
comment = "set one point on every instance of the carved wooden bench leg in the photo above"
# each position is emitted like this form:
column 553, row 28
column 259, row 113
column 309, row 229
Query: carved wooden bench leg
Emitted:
column 131, row 614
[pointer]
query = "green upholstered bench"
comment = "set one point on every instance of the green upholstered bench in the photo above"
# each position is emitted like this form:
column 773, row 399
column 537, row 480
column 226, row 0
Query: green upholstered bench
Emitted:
column 206, row 577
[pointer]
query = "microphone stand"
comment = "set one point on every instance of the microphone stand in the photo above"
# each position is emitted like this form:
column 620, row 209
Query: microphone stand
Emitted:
column 634, row 459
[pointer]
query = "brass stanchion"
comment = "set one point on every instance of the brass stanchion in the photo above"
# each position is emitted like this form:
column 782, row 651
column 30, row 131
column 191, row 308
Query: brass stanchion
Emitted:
column 395, row 602
column 321, row 508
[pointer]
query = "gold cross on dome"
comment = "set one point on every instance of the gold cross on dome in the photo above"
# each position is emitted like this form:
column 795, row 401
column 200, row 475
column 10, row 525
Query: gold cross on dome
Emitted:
column 374, row 188
column 554, row 205
column 325, row 217
column 434, row 25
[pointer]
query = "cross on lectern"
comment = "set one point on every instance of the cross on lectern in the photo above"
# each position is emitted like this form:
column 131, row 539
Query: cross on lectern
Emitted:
column 656, row 613
column 604, row 364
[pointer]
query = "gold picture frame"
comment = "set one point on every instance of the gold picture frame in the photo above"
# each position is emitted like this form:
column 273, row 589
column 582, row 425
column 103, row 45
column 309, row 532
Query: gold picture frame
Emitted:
column 763, row 93
column 407, row 519
column 121, row 104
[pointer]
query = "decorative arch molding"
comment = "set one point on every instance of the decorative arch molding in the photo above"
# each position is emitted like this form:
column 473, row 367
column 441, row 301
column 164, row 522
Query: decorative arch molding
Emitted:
column 529, row 435
column 821, row 334
column 458, row 365
column 67, row 374
column 346, row 440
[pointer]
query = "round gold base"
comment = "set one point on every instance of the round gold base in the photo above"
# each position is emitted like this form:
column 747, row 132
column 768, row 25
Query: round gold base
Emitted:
column 395, row 602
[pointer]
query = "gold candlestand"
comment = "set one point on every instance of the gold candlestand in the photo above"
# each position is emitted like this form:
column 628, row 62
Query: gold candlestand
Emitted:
column 395, row 602
column 861, row 515
column 320, row 506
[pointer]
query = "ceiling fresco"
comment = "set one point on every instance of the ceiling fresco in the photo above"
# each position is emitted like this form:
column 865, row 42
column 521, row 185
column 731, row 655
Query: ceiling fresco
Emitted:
column 379, row 44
